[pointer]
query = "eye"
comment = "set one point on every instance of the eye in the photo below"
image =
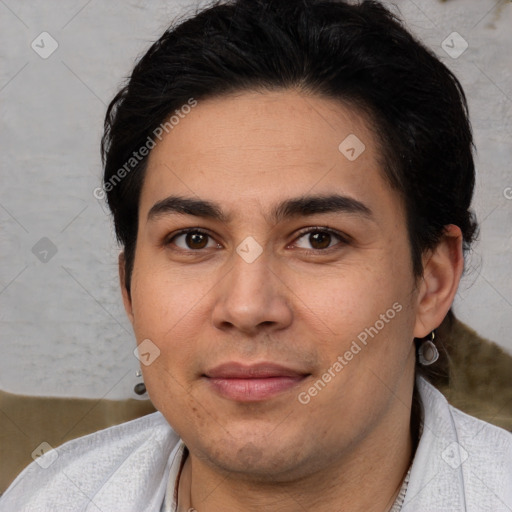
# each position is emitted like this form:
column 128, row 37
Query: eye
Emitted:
column 319, row 239
column 192, row 239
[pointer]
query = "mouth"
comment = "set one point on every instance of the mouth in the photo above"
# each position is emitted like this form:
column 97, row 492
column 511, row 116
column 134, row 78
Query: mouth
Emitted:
column 253, row 383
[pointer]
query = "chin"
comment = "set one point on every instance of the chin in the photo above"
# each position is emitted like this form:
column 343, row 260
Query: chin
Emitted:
column 255, row 457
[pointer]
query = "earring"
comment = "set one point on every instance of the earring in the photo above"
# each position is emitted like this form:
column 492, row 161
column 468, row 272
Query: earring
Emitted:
column 428, row 353
column 140, row 387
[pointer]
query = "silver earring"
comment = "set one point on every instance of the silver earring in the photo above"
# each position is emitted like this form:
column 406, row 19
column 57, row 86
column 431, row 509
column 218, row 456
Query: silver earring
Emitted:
column 140, row 387
column 428, row 353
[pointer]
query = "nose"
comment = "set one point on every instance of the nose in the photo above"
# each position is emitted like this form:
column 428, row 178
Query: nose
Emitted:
column 251, row 298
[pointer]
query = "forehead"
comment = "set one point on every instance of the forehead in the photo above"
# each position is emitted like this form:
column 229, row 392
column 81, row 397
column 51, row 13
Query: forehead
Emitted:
column 254, row 148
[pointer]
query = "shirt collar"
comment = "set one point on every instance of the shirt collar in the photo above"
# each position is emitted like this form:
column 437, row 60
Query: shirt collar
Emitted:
column 177, row 458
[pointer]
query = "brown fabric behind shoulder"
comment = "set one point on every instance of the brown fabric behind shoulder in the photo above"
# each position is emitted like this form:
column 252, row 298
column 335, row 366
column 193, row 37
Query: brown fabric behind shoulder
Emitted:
column 474, row 374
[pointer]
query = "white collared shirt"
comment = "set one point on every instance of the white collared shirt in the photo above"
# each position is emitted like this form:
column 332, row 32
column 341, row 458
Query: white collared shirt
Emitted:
column 461, row 464
column 177, row 458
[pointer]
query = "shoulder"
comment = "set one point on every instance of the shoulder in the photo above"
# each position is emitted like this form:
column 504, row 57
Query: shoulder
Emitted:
column 118, row 463
column 485, row 455
column 461, row 463
column 477, row 432
column 472, row 430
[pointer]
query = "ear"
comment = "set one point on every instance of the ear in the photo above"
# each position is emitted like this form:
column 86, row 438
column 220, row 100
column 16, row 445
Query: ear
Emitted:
column 442, row 270
column 122, row 281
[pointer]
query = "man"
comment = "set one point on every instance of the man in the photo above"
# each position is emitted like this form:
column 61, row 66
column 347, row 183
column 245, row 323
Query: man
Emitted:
column 291, row 184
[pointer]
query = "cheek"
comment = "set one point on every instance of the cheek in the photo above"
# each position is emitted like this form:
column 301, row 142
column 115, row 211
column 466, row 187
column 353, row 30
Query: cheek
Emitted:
column 348, row 299
column 167, row 310
column 164, row 312
column 366, row 319
column 163, row 298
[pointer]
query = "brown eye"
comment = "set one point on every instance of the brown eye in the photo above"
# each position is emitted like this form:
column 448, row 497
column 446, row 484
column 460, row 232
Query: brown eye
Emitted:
column 319, row 239
column 196, row 240
column 193, row 240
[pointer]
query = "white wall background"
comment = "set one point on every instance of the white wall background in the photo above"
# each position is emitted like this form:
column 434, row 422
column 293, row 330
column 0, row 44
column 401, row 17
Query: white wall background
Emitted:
column 63, row 329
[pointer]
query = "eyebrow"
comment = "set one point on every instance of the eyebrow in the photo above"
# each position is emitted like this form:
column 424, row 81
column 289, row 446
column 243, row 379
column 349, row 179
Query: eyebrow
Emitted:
column 291, row 208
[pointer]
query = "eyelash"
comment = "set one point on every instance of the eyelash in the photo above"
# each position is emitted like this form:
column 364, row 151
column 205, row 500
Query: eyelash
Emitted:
column 343, row 239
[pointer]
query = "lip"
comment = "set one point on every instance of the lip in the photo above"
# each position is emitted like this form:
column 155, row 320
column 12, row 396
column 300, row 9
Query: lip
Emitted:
column 252, row 383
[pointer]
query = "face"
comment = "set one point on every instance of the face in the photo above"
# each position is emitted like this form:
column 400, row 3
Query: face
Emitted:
column 284, row 317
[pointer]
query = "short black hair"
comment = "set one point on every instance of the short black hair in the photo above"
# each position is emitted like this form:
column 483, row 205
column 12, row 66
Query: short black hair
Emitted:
column 359, row 54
